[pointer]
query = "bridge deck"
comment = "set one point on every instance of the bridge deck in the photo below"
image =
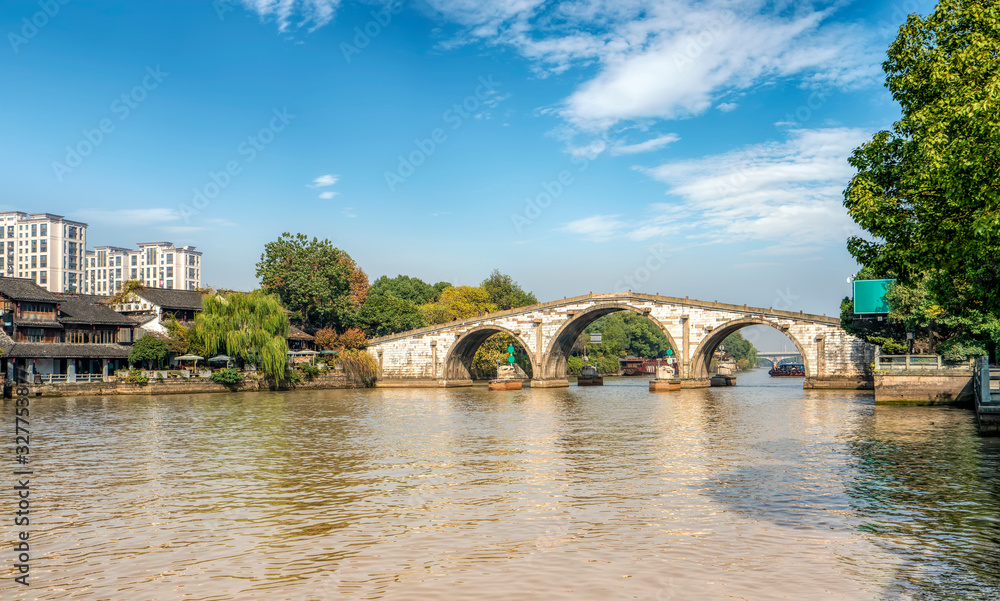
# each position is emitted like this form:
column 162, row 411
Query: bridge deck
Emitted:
column 618, row 297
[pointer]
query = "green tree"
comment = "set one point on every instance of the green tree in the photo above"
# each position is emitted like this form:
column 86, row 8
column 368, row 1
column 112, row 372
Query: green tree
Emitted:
column 925, row 192
column 384, row 314
column 251, row 326
column 149, row 350
column 458, row 302
column 404, row 287
column 318, row 282
column 493, row 352
column 741, row 350
column 505, row 293
column 629, row 334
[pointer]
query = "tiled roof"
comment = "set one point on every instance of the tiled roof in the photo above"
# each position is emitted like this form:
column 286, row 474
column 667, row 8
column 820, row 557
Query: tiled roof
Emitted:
column 38, row 323
column 59, row 350
column 82, row 310
column 22, row 289
column 296, row 334
column 172, row 299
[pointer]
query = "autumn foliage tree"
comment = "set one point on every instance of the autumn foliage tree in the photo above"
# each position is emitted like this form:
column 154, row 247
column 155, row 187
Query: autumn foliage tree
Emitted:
column 319, row 283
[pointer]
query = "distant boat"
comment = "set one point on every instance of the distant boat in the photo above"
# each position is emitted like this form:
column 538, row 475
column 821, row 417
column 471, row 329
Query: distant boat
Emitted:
column 589, row 377
column 786, row 370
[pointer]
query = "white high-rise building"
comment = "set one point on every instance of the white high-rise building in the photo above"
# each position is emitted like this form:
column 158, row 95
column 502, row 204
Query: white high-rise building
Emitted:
column 48, row 249
column 155, row 264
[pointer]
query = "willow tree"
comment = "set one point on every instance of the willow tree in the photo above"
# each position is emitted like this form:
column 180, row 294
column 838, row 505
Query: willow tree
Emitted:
column 251, row 326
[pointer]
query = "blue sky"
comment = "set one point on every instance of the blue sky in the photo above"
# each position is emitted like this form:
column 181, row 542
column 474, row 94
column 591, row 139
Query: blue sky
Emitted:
column 690, row 148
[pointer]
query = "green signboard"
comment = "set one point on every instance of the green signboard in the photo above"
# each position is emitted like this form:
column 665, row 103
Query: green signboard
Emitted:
column 869, row 297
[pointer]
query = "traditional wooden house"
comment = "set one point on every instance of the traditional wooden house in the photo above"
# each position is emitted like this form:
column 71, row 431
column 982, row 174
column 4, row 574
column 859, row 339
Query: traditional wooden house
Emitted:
column 58, row 338
column 153, row 307
column 299, row 340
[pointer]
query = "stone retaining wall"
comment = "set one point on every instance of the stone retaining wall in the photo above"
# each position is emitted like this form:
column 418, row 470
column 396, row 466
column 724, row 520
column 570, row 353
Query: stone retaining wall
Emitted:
column 182, row 386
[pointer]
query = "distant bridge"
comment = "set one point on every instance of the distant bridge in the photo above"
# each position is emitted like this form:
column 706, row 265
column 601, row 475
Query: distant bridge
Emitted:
column 441, row 355
column 775, row 358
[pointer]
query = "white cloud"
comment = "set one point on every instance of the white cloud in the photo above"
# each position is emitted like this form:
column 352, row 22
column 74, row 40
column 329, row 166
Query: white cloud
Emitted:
column 129, row 217
column 324, row 181
column 727, row 107
column 789, row 194
column 315, row 13
column 328, row 195
column 647, row 146
column 598, row 228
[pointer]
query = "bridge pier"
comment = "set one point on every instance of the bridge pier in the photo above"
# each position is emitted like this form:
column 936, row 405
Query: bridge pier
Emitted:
column 550, row 383
column 696, row 382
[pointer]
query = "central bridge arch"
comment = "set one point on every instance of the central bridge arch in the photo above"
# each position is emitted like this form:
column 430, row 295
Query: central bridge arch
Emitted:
column 701, row 359
column 458, row 363
column 559, row 349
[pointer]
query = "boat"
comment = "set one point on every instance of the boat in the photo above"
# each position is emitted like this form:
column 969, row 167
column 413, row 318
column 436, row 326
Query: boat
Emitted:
column 505, row 385
column 589, row 377
column 785, row 370
column 632, row 366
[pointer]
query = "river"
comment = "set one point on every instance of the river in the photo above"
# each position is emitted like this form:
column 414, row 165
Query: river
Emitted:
column 759, row 491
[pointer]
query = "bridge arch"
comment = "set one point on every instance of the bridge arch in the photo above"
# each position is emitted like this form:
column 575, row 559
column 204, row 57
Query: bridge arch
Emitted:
column 702, row 357
column 458, row 363
column 557, row 353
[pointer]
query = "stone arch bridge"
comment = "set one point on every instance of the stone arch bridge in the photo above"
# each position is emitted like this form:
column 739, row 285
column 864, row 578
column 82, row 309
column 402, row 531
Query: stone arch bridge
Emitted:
column 441, row 355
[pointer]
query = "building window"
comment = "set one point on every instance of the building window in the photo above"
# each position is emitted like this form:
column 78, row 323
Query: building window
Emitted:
column 118, row 261
column 34, row 246
column 170, row 271
column 43, row 261
column 118, row 273
column 134, row 276
column 34, row 229
column 170, row 284
column 43, row 246
column 43, row 277
column 191, row 272
column 34, row 262
column 10, row 231
column 33, row 334
column 170, row 257
column 45, row 229
column 134, row 257
column 71, row 232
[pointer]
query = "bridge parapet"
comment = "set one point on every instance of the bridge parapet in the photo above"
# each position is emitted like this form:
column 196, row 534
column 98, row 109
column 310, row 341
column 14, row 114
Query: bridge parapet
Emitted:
column 442, row 353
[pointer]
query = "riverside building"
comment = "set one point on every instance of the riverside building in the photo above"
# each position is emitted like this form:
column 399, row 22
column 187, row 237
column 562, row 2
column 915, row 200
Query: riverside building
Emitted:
column 44, row 248
column 155, row 264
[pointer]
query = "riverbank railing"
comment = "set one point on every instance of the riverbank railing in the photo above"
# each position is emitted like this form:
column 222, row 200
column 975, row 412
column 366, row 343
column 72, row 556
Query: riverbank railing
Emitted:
column 986, row 382
column 919, row 362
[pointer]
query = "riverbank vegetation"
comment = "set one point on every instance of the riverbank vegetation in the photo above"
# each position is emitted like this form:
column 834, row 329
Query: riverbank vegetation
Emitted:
column 925, row 192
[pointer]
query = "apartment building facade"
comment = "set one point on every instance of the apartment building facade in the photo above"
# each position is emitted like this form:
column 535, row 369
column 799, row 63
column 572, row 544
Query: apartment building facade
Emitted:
column 155, row 264
column 44, row 248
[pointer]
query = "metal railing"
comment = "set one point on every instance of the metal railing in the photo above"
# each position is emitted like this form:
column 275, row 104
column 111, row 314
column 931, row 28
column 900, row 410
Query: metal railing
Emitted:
column 920, row 362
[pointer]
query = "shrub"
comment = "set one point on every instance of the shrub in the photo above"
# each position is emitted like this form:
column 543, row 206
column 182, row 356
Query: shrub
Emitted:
column 292, row 377
column 326, row 338
column 574, row 365
column 310, row 371
column 228, row 376
column 137, row 377
column 359, row 366
column 352, row 339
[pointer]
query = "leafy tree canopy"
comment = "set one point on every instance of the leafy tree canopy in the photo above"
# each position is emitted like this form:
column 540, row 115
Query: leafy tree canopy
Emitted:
column 741, row 350
column 505, row 293
column 926, row 192
column 318, row 282
column 458, row 302
column 404, row 287
column 148, row 349
column 382, row 315
column 251, row 326
column 626, row 333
